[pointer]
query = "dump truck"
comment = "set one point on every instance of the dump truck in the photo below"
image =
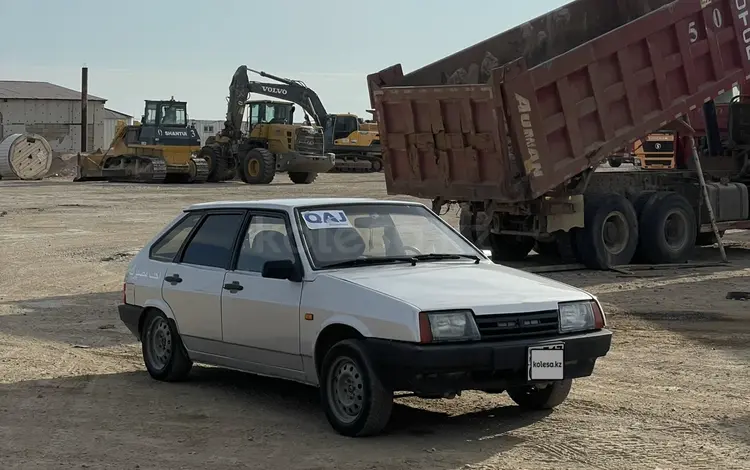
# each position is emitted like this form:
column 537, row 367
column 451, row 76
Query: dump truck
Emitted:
column 514, row 128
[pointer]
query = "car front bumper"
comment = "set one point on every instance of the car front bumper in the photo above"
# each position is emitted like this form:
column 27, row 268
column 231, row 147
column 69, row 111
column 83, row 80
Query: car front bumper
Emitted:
column 440, row 369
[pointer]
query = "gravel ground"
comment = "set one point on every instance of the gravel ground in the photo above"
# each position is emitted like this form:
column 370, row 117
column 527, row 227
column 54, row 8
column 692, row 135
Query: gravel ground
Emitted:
column 74, row 393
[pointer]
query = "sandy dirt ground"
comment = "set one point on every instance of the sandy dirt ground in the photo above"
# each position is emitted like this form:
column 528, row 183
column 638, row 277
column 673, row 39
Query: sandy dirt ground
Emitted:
column 672, row 393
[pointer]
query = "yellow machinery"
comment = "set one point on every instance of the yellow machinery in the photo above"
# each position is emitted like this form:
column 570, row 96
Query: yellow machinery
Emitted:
column 159, row 149
column 273, row 143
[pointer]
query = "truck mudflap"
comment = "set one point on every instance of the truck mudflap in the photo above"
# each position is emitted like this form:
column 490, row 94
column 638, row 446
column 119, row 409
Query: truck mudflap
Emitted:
column 531, row 130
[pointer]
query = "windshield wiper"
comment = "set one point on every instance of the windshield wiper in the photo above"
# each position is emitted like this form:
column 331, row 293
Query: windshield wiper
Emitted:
column 373, row 261
column 443, row 256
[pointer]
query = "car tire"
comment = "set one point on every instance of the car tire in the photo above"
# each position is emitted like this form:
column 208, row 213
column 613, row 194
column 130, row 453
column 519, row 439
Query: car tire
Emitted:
column 614, row 162
column 164, row 354
column 532, row 398
column 356, row 402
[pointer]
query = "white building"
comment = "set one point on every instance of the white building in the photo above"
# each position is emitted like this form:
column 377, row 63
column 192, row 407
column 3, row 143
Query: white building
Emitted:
column 52, row 111
column 110, row 124
column 207, row 128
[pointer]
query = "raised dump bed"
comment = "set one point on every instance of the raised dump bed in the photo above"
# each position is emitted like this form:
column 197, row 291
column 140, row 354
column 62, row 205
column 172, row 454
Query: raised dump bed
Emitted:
column 530, row 130
column 514, row 126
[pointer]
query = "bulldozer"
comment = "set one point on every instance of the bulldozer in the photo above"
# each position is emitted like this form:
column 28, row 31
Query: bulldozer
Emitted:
column 354, row 141
column 159, row 149
column 273, row 142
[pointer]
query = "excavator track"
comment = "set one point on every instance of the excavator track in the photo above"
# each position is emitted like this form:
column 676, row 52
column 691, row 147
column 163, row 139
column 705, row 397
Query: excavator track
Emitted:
column 357, row 164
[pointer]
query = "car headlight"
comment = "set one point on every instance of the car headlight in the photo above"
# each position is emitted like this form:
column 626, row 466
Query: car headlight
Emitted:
column 580, row 316
column 454, row 325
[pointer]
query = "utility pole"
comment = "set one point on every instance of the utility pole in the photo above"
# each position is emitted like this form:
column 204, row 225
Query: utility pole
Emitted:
column 84, row 108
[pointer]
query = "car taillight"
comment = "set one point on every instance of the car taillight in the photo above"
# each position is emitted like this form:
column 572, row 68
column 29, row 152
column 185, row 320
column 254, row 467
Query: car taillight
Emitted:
column 124, row 292
column 599, row 321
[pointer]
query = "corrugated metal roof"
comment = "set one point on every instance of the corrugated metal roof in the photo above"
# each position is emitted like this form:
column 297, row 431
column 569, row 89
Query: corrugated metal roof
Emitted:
column 19, row 90
column 112, row 114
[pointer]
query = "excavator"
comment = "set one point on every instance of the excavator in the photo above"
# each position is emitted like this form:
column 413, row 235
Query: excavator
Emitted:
column 272, row 144
column 159, row 149
column 354, row 141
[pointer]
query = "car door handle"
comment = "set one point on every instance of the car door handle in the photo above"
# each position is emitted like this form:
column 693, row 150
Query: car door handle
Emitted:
column 234, row 286
column 173, row 279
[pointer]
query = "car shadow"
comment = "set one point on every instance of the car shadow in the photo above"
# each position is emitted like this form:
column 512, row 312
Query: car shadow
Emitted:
column 219, row 413
column 86, row 320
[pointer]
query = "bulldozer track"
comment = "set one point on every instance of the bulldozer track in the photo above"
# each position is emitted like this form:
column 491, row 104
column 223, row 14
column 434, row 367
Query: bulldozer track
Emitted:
column 201, row 170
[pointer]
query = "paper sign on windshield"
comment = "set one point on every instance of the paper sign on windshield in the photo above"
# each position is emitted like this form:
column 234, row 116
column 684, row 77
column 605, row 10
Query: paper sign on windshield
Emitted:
column 325, row 219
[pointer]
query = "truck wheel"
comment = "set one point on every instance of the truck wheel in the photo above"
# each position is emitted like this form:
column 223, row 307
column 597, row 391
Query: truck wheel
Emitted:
column 355, row 401
column 668, row 229
column 567, row 246
column 217, row 165
column 614, row 162
column 470, row 227
column 163, row 352
column 707, row 238
column 610, row 233
column 533, row 398
column 258, row 166
column 510, row 247
column 299, row 177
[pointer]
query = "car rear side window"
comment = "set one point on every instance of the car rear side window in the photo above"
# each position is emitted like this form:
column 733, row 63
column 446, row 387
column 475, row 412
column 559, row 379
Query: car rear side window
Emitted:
column 213, row 243
column 166, row 248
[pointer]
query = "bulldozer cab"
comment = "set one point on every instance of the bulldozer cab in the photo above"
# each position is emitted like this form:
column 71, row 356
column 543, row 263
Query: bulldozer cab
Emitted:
column 164, row 123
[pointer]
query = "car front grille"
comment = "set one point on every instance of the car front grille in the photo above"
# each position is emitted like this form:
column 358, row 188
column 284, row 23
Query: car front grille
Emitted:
column 517, row 325
column 658, row 146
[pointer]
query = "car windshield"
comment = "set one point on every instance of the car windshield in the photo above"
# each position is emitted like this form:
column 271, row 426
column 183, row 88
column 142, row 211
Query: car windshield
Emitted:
column 360, row 234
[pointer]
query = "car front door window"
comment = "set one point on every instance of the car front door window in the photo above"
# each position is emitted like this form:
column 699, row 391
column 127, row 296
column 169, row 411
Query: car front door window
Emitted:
column 263, row 317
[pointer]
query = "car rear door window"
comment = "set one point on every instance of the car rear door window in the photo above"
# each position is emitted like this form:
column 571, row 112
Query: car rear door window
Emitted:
column 166, row 248
column 213, row 243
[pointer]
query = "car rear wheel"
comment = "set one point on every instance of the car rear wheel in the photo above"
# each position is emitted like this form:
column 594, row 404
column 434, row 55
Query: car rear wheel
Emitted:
column 164, row 354
column 355, row 401
column 534, row 397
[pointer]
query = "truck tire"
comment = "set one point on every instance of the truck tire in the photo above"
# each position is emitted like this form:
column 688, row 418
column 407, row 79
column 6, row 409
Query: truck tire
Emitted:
column 299, row 177
column 707, row 238
column 164, row 354
column 667, row 229
column 258, row 166
column 610, row 233
column 217, row 165
column 510, row 247
column 532, row 398
column 355, row 401
column 567, row 245
column 470, row 227
column 614, row 162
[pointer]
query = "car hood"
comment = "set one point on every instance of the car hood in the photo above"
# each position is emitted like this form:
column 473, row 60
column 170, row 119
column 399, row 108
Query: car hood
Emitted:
column 485, row 288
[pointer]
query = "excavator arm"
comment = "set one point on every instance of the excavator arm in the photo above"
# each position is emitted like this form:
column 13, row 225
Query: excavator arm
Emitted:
column 239, row 89
column 291, row 90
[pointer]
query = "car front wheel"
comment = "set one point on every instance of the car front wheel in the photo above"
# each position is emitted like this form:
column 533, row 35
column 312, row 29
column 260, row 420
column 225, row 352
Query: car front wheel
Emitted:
column 533, row 397
column 163, row 352
column 356, row 402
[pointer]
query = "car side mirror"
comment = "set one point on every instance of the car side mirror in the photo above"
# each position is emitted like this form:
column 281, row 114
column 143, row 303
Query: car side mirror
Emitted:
column 281, row 269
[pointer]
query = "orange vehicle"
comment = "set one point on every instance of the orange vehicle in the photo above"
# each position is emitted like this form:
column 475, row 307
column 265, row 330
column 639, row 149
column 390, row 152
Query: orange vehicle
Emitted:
column 656, row 151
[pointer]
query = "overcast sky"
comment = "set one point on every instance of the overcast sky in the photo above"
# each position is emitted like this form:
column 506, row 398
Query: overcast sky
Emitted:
column 155, row 49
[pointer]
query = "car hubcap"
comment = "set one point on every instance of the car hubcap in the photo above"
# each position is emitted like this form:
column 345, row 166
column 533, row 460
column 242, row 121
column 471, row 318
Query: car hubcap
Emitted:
column 615, row 232
column 347, row 390
column 253, row 168
column 160, row 343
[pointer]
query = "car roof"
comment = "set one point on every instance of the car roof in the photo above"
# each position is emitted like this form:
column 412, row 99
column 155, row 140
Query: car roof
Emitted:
column 292, row 203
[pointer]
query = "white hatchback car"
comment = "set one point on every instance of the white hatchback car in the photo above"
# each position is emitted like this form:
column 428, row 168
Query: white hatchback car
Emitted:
column 360, row 297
